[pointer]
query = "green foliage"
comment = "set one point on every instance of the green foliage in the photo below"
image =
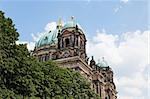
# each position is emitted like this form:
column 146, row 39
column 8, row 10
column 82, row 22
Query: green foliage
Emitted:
column 22, row 76
column 64, row 83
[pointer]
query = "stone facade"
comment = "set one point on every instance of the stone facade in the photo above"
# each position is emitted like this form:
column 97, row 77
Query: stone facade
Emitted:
column 69, row 50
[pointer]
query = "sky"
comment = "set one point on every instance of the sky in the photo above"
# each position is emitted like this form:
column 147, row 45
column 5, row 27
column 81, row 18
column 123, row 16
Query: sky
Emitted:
column 115, row 29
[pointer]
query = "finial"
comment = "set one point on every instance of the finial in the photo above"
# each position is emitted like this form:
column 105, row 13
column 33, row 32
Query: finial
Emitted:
column 59, row 24
column 103, row 58
column 60, row 21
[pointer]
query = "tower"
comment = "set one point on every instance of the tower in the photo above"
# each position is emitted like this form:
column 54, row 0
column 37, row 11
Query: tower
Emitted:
column 71, row 41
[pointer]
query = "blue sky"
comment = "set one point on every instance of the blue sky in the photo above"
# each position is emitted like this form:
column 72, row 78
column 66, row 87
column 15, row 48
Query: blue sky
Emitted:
column 121, row 21
column 31, row 16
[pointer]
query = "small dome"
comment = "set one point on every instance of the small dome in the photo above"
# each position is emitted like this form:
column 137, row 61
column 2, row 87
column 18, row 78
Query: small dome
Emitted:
column 103, row 63
column 47, row 39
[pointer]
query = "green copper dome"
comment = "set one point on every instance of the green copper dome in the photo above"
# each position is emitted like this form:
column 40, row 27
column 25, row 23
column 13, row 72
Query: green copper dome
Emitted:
column 47, row 39
column 103, row 63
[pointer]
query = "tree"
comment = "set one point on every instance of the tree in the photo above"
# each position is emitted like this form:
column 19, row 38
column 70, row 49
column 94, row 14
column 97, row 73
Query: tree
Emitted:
column 64, row 83
column 8, row 36
column 15, row 63
column 22, row 76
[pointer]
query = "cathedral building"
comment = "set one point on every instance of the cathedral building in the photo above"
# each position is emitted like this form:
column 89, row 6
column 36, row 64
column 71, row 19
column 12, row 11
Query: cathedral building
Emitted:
column 67, row 46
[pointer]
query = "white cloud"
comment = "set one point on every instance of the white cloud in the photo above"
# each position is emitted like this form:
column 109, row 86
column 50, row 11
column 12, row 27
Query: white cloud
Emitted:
column 104, row 45
column 30, row 45
column 133, row 91
column 37, row 36
column 127, row 54
column 124, row 1
column 49, row 27
column 117, row 8
column 130, row 82
column 129, row 97
column 120, row 6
